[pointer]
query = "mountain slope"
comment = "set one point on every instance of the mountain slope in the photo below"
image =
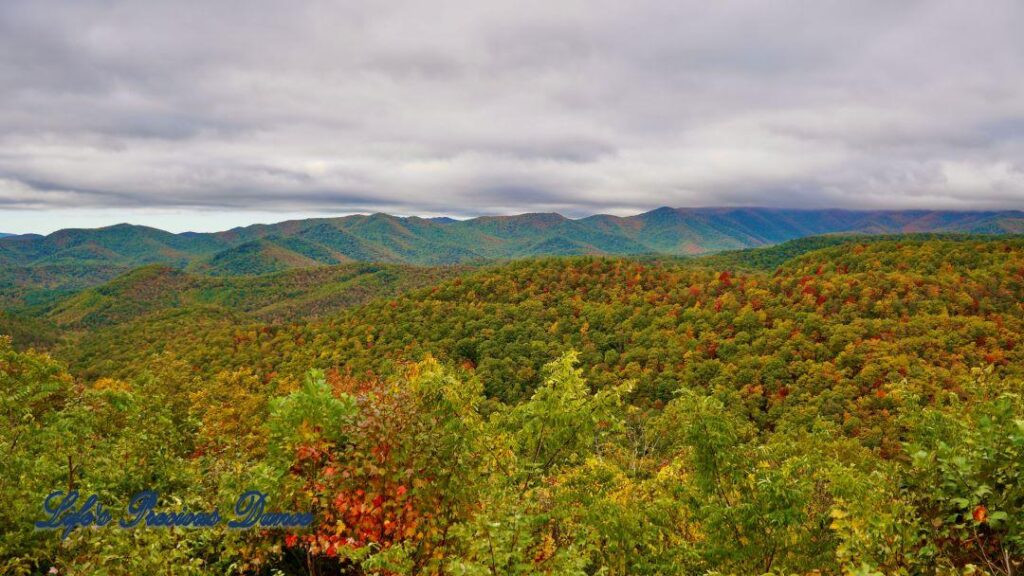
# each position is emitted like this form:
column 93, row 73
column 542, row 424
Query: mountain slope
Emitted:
column 43, row 284
column 294, row 244
column 284, row 296
column 122, row 244
column 505, row 321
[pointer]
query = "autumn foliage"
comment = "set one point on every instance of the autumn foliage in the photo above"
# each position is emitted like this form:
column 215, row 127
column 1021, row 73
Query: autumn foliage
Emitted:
column 831, row 407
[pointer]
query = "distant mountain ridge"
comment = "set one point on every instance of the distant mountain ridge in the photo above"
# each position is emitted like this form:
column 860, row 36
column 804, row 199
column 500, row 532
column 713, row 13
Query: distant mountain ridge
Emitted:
column 293, row 244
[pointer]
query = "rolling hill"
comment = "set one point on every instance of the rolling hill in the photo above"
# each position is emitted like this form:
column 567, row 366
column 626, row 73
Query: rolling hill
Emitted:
column 36, row 270
column 43, row 284
column 385, row 238
column 828, row 378
column 284, row 296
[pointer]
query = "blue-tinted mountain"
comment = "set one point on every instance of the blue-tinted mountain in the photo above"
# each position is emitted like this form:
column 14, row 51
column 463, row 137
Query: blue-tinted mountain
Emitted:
column 265, row 248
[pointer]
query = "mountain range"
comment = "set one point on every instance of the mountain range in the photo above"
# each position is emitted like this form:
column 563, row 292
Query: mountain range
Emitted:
column 383, row 238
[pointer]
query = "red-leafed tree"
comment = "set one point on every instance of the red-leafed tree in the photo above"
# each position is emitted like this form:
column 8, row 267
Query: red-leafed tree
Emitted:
column 389, row 492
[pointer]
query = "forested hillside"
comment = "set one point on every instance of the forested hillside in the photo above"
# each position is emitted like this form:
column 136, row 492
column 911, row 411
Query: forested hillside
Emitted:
column 45, row 318
column 260, row 249
column 42, row 285
column 836, row 405
column 291, row 295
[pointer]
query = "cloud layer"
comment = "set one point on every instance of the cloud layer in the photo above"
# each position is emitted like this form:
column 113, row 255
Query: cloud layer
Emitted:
column 465, row 107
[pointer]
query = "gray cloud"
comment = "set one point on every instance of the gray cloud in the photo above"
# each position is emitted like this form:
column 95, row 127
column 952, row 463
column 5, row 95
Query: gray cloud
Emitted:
column 467, row 108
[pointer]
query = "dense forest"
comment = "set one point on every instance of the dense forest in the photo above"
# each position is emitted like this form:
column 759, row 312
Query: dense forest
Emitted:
column 831, row 405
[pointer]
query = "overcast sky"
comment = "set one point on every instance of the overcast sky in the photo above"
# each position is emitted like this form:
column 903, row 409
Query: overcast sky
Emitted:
column 204, row 115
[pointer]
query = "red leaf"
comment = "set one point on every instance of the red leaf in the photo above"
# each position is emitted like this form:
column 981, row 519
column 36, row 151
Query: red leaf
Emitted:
column 980, row 513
